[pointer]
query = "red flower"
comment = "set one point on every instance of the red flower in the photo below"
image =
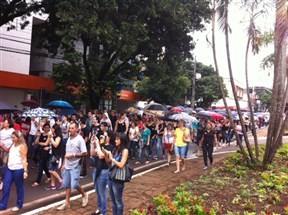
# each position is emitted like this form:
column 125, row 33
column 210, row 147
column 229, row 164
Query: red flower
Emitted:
column 207, row 209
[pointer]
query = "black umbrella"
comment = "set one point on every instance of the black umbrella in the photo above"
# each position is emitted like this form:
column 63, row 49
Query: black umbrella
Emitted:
column 156, row 106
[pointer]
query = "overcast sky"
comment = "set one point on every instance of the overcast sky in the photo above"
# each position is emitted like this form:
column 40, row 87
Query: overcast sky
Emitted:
column 238, row 39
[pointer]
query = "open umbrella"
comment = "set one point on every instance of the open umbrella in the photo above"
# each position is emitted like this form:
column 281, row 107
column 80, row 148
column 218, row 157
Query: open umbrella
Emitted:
column 198, row 109
column 176, row 110
column 180, row 116
column 60, row 104
column 156, row 107
column 133, row 110
column 157, row 113
column 210, row 115
column 39, row 112
column 6, row 108
column 188, row 110
column 30, row 103
column 67, row 112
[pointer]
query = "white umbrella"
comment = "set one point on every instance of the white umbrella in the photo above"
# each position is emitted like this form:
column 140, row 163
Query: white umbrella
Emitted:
column 39, row 112
column 183, row 116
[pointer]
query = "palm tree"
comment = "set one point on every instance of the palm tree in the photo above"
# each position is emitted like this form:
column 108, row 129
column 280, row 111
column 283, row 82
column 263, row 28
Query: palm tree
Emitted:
column 280, row 86
column 220, row 83
column 223, row 18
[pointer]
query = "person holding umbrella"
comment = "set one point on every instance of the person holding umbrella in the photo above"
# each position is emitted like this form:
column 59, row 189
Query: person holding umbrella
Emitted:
column 209, row 137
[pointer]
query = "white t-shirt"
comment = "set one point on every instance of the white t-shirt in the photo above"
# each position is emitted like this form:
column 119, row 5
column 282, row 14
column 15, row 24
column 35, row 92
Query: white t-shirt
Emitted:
column 132, row 134
column 75, row 145
column 33, row 128
column 6, row 136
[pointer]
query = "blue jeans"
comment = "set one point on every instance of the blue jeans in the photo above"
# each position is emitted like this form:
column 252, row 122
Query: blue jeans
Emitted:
column 133, row 145
column 71, row 178
column 153, row 141
column 146, row 151
column 160, row 146
column 100, row 188
column 10, row 177
column 116, row 194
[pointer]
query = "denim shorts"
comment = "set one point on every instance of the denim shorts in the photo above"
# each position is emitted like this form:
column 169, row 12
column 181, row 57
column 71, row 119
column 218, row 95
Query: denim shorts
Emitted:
column 71, row 178
column 180, row 150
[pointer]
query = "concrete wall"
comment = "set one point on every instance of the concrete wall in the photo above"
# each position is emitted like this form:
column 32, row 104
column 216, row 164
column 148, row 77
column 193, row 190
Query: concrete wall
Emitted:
column 15, row 47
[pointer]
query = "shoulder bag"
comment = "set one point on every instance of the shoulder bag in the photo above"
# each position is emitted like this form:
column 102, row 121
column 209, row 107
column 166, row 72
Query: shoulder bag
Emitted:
column 121, row 174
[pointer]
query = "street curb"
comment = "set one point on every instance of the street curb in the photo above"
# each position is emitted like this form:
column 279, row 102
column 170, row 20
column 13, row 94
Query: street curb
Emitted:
column 91, row 190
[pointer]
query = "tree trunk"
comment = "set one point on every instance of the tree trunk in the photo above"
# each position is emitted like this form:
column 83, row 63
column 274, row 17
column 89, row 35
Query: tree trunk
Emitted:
column 220, row 83
column 279, row 94
column 226, row 29
column 249, row 99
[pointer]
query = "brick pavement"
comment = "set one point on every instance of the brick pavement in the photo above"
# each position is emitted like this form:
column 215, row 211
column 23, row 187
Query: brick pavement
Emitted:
column 139, row 192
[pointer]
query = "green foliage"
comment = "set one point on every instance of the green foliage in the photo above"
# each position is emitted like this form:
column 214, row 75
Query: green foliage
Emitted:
column 184, row 203
column 119, row 37
column 164, row 87
column 266, row 99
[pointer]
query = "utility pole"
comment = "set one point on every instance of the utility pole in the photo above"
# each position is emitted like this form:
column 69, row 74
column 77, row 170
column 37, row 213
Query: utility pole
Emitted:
column 193, row 85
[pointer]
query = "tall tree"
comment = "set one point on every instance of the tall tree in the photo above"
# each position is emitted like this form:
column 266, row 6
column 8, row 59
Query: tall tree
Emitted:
column 117, row 37
column 221, row 86
column 224, row 24
column 280, row 86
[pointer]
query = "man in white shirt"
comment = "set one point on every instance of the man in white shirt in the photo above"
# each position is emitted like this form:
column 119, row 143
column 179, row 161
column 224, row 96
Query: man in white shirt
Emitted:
column 75, row 151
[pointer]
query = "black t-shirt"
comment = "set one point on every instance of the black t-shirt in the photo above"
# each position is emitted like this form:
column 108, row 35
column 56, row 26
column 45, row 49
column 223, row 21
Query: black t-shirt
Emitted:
column 101, row 163
column 60, row 150
column 121, row 128
column 43, row 139
column 152, row 129
column 85, row 132
column 161, row 128
column 208, row 137
column 95, row 129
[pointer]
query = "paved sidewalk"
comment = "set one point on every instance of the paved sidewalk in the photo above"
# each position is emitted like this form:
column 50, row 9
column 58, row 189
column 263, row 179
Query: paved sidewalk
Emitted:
column 140, row 191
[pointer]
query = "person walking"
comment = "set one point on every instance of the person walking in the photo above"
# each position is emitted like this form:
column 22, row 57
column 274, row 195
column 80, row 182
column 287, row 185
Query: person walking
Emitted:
column 16, row 171
column 43, row 141
column 181, row 137
column 5, row 143
column 56, row 154
column 144, row 144
column 118, row 157
column 134, row 139
column 100, row 173
column 75, row 151
column 160, row 146
column 207, row 142
column 168, row 140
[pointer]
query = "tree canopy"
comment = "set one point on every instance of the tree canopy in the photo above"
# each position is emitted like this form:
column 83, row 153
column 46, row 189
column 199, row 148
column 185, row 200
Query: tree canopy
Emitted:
column 171, row 87
column 9, row 10
column 117, row 38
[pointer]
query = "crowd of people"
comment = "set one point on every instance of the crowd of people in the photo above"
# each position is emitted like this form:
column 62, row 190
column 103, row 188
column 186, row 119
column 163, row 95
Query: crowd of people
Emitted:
column 65, row 147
